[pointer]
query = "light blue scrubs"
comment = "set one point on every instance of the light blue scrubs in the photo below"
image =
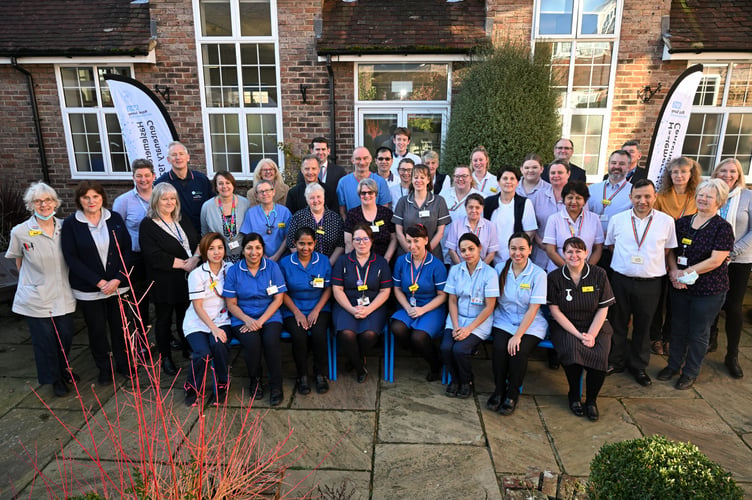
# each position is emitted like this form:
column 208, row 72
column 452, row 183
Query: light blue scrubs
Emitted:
column 530, row 287
column 347, row 191
column 257, row 222
column 471, row 292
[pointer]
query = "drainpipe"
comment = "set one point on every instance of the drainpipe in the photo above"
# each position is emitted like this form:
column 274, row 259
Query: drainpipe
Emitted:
column 35, row 114
column 332, row 121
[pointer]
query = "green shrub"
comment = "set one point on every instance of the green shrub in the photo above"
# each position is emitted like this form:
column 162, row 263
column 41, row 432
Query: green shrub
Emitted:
column 506, row 104
column 655, row 467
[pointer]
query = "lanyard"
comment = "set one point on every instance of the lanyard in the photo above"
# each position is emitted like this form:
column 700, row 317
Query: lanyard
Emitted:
column 484, row 184
column 459, row 202
column 414, row 279
column 270, row 220
column 476, row 232
column 571, row 226
column 176, row 231
column 607, row 201
column 723, row 212
column 143, row 204
column 686, row 202
column 644, row 234
column 357, row 271
column 213, row 282
column 229, row 227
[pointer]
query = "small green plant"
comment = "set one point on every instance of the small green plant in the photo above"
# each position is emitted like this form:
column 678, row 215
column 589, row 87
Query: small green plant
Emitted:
column 655, row 467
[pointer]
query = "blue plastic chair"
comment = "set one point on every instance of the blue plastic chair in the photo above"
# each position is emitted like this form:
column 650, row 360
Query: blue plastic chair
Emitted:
column 388, row 355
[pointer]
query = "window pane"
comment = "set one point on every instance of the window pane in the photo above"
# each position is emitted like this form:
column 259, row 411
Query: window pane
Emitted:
column 598, row 17
column 225, row 141
column 215, row 18
column 377, row 130
column 220, row 76
column 87, row 148
column 426, row 132
column 740, row 86
column 555, row 17
column 591, row 75
column 255, row 18
column 104, row 88
column 118, row 153
column 710, row 90
column 259, row 75
column 737, row 142
column 586, row 136
column 262, row 138
column 402, row 82
column 701, row 141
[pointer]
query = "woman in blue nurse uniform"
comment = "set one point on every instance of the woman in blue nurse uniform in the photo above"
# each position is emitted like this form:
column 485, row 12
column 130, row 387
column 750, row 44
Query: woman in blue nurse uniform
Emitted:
column 419, row 280
column 254, row 289
column 472, row 287
column 518, row 323
column 269, row 220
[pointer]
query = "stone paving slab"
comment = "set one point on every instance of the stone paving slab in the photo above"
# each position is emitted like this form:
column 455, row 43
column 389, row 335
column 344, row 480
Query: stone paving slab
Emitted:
column 66, row 478
column 14, row 390
column 541, row 380
column 345, row 393
column 343, row 484
column 696, row 421
column 30, row 437
column 732, row 400
column 520, row 440
column 417, row 472
column 577, row 439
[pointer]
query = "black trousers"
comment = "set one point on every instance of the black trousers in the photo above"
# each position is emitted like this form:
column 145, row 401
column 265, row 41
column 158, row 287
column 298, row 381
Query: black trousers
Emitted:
column 98, row 315
column 318, row 341
column 509, row 371
column 267, row 337
column 163, row 326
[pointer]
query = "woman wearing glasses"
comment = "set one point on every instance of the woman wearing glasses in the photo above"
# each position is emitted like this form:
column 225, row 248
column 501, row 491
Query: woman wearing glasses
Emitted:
column 269, row 219
column 377, row 216
column 267, row 170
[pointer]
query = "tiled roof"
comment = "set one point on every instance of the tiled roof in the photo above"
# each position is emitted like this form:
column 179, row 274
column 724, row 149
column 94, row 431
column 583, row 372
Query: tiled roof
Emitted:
column 411, row 27
column 710, row 26
column 74, row 27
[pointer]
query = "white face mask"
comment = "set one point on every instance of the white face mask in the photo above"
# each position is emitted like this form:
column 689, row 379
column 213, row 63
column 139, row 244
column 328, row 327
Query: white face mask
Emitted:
column 689, row 279
column 42, row 217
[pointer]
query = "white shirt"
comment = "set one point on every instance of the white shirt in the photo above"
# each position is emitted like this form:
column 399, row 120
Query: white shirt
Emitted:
column 200, row 287
column 488, row 185
column 647, row 260
column 503, row 218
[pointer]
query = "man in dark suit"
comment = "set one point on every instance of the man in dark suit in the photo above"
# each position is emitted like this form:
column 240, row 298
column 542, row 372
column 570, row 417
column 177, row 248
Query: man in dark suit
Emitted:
column 310, row 172
column 329, row 174
column 563, row 150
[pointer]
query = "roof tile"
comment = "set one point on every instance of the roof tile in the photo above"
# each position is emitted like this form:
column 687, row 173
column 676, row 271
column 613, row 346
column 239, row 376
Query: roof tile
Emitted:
column 710, row 26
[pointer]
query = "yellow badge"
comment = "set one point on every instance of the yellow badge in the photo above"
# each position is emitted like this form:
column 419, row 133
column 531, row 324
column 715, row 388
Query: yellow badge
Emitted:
column 525, row 286
column 493, row 190
column 318, row 282
column 378, row 223
column 588, row 289
column 213, row 285
column 34, row 232
column 413, row 288
column 320, row 231
column 281, row 225
column 686, row 241
column 606, row 202
column 362, row 288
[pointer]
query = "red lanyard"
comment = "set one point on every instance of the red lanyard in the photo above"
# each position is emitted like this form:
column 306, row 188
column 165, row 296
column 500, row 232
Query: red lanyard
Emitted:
column 634, row 230
column 414, row 279
column 613, row 195
column 579, row 229
column 229, row 228
column 357, row 271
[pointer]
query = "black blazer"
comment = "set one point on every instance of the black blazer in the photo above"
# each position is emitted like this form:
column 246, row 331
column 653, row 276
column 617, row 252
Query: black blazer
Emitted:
column 296, row 198
column 85, row 268
column 160, row 251
column 333, row 174
column 575, row 173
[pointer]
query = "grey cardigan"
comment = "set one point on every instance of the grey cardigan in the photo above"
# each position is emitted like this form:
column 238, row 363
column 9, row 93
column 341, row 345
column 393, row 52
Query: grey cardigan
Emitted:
column 742, row 252
column 211, row 217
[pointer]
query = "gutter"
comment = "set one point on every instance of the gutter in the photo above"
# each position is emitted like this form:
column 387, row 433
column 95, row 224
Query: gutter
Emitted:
column 332, row 120
column 35, row 114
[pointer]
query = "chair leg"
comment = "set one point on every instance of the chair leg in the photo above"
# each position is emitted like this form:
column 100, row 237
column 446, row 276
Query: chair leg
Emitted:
column 388, row 355
column 332, row 343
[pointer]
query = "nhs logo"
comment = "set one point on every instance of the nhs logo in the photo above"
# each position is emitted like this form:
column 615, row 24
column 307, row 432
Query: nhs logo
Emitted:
column 676, row 105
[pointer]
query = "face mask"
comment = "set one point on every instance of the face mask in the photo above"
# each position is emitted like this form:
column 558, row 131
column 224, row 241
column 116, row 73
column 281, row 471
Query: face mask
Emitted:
column 42, row 217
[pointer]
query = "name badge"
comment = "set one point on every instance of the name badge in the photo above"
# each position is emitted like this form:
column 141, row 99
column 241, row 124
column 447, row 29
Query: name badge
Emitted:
column 413, row 302
column 281, row 225
column 682, row 261
column 477, row 301
column 320, row 231
column 213, row 285
column 34, row 232
column 525, row 286
column 413, row 288
column 362, row 288
column 234, row 244
column 493, row 190
column 424, row 213
column 588, row 289
column 604, row 218
column 686, row 241
column 636, row 259
column 318, row 282
column 378, row 223
column 272, row 290
column 606, row 202
column 363, row 301
column 374, row 228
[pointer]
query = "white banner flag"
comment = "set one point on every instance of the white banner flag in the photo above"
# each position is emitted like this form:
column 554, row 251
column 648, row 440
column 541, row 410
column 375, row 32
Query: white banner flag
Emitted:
column 671, row 126
column 145, row 124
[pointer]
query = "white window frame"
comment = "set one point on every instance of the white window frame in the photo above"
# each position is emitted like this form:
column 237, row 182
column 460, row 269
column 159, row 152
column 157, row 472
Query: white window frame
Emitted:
column 241, row 112
column 100, row 112
column 576, row 37
column 723, row 110
column 402, row 108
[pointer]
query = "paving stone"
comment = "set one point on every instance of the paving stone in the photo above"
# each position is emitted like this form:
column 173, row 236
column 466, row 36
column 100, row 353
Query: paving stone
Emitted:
column 541, row 380
column 577, row 439
column 13, row 390
column 570, row 487
column 74, row 477
column 518, row 441
column 732, row 400
column 31, row 437
column 340, row 484
column 416, row 411
column 623, row 385
column 345, row 393
column 433, row 471
column 696, row 421
column 17, row 360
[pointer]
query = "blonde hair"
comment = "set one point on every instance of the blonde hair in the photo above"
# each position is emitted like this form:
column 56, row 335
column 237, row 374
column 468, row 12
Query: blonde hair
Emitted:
column 158, row 192
column 736, row 163
column 263, row 163
column 720, row 187
column 694, row 174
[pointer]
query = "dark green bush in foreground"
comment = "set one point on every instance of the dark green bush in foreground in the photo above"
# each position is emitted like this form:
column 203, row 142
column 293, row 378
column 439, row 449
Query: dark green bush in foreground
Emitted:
column 655, row 467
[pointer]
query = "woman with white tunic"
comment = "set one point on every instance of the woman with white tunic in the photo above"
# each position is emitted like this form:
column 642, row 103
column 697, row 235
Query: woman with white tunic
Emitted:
column 485, row 180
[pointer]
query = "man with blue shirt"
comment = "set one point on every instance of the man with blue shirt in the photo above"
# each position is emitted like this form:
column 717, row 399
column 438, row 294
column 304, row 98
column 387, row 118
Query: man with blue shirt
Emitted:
column 347, row 189
column 193, row 187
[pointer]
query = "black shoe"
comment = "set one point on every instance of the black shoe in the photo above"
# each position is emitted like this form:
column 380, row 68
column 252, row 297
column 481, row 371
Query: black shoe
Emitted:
column 576, row 408
column 684, row 383
column 554, row 363
column 452, row 389
column 713, row 341
column 219, row 397
column 175, row 344
column 126, row 373
column 257, row 389
column 59, row 388
column 732, row 363
column 168, row 366
column 322, row 384
column 666, row 374
column 614, row 369
column 433, row 376
column 71, row 376
column 508, row 406
column 362, row 375
column 493, row 402
column 591, row 409
column 275, row 398
column 465, row 391
column 302, row 385
column 190, row 397
column 641, row 376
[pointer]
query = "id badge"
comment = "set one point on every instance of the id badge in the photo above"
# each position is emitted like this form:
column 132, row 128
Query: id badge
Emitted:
column 362, row 288
column 272, row 290
column 636, row 259
column 477, row 301
column 320, row 231
column 318, row 282
column 682, row 261
column 604, row 218
column 374, row 228
column 413, row 288
column 413, row 302
column 363, row 301
column 424, row 213
column 234, row 244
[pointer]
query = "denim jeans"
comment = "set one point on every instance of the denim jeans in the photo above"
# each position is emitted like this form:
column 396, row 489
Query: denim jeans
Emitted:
column 205, row 348
column 690, row 329
column 52, row 339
